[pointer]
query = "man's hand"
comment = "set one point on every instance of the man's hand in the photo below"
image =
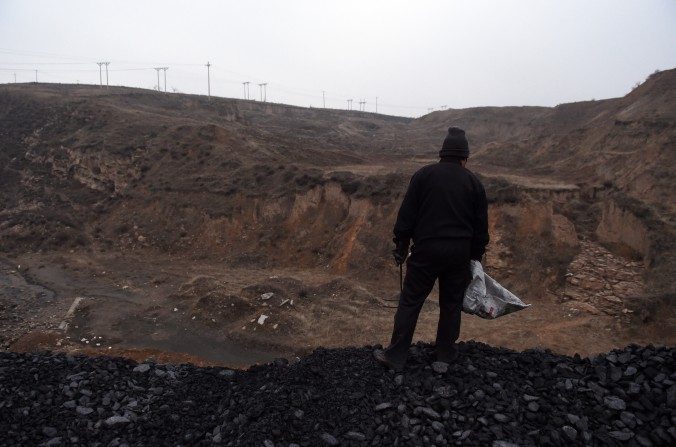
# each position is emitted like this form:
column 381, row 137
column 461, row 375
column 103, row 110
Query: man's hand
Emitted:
column 400, row 253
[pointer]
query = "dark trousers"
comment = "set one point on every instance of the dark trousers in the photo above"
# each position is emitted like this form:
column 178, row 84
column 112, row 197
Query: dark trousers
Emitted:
column 448, row 261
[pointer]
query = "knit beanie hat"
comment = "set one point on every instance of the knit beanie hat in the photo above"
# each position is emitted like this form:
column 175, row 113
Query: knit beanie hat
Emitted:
column 455, row 144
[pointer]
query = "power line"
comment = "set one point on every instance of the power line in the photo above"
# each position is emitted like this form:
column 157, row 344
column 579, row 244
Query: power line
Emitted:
column 65, row 67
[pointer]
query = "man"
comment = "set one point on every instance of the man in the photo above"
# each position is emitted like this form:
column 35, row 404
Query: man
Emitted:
column 445, row 213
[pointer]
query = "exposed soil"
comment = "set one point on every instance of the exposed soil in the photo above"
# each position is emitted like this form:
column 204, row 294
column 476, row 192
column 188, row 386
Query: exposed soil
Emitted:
column 171, row 216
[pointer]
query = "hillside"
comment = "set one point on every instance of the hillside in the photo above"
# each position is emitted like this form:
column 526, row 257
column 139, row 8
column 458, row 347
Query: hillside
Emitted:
column 187, row 210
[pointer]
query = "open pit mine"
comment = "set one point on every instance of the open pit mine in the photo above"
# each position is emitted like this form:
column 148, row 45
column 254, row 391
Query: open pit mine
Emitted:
column 179, row 271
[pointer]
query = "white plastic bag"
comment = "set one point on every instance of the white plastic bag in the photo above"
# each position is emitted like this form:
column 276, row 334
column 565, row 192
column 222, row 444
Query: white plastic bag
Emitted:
column 486, row 298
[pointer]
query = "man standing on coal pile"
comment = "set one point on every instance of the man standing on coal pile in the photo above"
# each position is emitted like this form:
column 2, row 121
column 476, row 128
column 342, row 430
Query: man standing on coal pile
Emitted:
column 445, row 213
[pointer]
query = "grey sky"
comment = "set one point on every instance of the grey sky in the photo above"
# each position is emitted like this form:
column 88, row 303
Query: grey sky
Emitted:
column 411, row 54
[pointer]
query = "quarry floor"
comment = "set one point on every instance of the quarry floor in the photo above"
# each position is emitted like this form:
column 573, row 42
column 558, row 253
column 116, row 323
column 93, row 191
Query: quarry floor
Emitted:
column 155, row 308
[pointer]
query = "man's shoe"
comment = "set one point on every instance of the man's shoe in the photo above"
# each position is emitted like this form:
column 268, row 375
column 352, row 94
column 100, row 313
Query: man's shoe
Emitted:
column 381, row 357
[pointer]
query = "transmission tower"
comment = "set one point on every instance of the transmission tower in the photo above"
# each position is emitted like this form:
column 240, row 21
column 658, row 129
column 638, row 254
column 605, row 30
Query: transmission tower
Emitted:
column 264, row 91
column 165, row 78
column 100, row 64
column 157, row 69
column 349, row 104
column 208, row 65
column 106, row 64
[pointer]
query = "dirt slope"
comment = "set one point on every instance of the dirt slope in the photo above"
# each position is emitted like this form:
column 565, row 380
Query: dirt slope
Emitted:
column 136, row 183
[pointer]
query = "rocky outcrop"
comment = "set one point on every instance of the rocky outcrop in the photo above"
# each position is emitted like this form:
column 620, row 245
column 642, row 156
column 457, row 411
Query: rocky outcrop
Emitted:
column 599, row 282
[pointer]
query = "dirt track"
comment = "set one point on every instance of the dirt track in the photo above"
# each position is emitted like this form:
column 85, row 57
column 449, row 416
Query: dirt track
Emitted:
column 161, row 309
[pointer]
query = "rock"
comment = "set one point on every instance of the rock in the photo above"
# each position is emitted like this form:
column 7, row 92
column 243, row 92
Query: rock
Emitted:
column 268, row 443
column 644, row 441
column 355, row 436
column 116, row 420
column 440, row 367
column 630, row 371
column 227, row 373
column 429, row 412
column 84, row 411
column 614, row 403
column 262, row 318
column 533, row 406
column 573, row 419
column 621, row 435
column 50, row 432
column 339, row 391
column 329, row 439
column 267, row 296
column 500, row 418
column 142, row 368
column 570, row 432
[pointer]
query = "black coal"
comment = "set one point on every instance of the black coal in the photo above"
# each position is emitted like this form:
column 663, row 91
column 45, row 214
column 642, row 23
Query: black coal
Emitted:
column 492, row 396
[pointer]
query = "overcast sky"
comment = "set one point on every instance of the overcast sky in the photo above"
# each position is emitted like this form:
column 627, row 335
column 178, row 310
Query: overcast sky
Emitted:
column 412, row 55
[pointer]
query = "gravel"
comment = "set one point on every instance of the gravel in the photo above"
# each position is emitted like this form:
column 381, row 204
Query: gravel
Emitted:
column 343, row 397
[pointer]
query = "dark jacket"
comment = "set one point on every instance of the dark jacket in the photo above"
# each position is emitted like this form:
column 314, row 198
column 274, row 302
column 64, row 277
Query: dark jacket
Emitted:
column 444, row 201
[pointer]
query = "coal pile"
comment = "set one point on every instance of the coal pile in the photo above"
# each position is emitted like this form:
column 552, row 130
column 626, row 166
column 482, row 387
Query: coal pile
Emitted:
column 491, row 396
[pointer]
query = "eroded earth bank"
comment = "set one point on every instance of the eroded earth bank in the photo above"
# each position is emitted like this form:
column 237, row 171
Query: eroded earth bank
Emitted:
column 230, row 232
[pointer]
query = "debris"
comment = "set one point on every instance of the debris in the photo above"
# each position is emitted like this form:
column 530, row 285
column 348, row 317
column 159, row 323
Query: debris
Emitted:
column 262, row 319
column 267, row 296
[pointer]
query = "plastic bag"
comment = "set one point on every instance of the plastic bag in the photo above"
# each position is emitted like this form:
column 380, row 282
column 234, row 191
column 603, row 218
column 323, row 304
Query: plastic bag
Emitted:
column 486, row 298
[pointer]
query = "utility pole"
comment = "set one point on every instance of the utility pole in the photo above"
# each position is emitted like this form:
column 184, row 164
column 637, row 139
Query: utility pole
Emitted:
column 15, row 77
column 264, row 91
column 208, row 65
column 36, row 76
column 100, row 75
column 349, row 104
column 106, row 64
column 376, row 104
column 244, row 88
column 157, row 69
column 165, row 78
column 324, row 98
